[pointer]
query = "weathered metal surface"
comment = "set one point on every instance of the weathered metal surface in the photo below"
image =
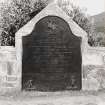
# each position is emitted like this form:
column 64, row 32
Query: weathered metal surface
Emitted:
column 51, row 57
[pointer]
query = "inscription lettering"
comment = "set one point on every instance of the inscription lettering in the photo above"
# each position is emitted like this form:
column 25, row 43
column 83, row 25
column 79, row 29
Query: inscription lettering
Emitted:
column 54, row 53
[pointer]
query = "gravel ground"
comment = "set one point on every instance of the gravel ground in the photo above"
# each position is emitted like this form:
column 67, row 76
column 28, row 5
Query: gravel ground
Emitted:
column 54, row 98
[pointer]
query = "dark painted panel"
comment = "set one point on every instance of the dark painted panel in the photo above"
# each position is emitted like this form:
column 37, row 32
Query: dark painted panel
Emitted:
column 51, row 56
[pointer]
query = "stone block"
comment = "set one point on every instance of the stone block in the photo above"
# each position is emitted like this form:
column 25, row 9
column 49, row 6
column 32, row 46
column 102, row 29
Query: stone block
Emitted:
column 94, row 75
column 90, row 84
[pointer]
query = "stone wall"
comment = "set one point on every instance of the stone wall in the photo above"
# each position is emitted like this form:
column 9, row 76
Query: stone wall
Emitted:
column 93, row 70
column 8, row 71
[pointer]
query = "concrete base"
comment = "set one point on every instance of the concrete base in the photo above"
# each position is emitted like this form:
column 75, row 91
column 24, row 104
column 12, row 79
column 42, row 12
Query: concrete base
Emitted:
column 57, row 98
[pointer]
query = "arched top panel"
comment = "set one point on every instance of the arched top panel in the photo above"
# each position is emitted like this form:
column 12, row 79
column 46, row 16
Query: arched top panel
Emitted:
column 52, row 53
column 53, row 25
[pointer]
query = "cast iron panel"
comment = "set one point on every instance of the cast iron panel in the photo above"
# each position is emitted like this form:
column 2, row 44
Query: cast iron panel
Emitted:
column 51, row 57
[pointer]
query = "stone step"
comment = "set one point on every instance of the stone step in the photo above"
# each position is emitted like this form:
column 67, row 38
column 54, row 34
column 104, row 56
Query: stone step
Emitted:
column 56, row 100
